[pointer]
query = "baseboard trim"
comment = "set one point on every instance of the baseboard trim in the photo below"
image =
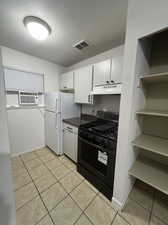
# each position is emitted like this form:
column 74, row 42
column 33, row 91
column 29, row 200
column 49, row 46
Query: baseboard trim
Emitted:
column 29, row 150
column 117, row 204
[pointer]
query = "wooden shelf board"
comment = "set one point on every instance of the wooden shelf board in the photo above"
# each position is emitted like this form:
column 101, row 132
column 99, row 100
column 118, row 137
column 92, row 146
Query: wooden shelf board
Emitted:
column 151, row 172
column 153, row 144
column 153, row 113
column 153, row 78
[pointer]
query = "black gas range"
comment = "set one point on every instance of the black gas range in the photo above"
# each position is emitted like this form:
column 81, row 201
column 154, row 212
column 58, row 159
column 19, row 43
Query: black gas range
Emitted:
column 97, row 142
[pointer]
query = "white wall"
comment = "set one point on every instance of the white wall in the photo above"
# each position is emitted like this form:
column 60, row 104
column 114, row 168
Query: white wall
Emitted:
column 144, row 18
column 21, row 61
column 103, row 102
column 98, row 58
column 26, row 126
column 7, row 206
column 26, row 130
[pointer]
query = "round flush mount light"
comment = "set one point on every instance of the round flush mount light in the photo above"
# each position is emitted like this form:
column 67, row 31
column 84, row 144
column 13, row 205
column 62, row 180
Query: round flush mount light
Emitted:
column 37, row 27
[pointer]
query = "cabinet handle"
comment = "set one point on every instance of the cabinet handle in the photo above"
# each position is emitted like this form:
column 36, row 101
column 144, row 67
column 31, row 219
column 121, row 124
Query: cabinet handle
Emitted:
column 112, row 81
column 88, row 98
column 65, row 87
column 92, row 99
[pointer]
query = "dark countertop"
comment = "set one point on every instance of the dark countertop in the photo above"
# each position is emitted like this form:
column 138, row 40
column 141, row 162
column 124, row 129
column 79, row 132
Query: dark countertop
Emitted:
column 77, row 121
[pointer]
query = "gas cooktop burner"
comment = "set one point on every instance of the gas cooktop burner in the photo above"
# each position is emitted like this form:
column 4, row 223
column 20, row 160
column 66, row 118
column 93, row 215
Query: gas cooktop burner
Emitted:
column 106, row 130
column 103, row 128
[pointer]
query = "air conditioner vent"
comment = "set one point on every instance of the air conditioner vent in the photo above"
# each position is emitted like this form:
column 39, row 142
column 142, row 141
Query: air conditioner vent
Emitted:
column 81, row 44
column 28, row 98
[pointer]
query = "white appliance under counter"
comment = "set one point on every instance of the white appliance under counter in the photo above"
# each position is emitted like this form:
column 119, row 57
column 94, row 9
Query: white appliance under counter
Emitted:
column 70, row 141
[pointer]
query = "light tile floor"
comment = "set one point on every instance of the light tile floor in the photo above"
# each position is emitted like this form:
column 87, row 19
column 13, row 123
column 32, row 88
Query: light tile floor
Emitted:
column 49, row 191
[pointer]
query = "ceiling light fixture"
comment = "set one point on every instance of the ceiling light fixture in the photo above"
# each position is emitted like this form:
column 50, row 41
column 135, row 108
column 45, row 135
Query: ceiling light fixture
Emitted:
column 37, row 27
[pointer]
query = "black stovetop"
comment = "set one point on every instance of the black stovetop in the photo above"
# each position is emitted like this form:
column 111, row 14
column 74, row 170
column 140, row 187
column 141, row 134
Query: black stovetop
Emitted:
column 102, row 127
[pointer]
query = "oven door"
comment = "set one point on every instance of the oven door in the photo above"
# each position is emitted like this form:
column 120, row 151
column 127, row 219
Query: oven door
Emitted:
column 96, row 160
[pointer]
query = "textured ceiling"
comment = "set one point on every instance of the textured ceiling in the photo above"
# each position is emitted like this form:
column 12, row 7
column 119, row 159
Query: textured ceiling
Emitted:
column 101, row 22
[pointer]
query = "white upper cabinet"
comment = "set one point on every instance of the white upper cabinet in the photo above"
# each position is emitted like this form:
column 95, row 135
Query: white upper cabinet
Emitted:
column 67, row 81
column 101, row 73
column 83, row 85
column 108, row 71
column 23, row 81
column 116, row 69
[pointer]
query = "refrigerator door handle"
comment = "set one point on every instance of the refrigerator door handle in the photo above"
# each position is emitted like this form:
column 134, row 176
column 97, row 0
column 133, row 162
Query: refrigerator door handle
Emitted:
column 56, row 104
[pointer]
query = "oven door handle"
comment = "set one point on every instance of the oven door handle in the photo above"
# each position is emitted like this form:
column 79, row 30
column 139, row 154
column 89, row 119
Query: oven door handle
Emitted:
column 94, row 145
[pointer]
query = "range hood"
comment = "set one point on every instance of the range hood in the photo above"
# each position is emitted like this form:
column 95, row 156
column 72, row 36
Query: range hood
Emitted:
column 107, row 89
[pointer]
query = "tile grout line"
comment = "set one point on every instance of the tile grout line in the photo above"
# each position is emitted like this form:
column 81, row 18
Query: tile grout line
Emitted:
column 83, row 210
column 140, row 205
column 89, row 205
column 40, row 198
column 86, row 217
column 114, row 218
column 153, row 200
column 68, row 193
column 36, row 179
column 27, row 202
column 41, row 192
column 124, row 218
column 22, row 186
column 60, row 177
column 149, row 210
column 77, row 203
column 58, row 181
column 122, row 215
column 160, row 219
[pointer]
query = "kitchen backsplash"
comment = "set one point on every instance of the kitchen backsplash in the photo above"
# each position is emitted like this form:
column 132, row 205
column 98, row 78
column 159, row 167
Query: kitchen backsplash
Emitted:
column 103, row 102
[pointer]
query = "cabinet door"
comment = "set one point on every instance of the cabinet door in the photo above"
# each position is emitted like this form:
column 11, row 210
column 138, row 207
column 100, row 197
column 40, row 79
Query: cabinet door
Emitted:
column 116, row 69
column 83, row 85
column 101, row 73
column 70, row 144
column 24, row 81
column 67, row 81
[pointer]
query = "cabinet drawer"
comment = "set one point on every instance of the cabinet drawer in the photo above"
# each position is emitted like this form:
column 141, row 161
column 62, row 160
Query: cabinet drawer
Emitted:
column 70, row 128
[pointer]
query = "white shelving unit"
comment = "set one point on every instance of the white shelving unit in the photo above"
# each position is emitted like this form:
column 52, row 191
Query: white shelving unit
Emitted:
column 148, row 112
column 151, row 172
column 151, row 165
column 155, row 78
column 153, row 144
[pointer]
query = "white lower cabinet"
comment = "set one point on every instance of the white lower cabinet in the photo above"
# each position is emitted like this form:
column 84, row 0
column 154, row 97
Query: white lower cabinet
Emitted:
column 70, row 141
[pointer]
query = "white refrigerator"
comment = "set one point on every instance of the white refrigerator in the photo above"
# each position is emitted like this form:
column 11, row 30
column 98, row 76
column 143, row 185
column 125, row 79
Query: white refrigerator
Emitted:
column 58, row 106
